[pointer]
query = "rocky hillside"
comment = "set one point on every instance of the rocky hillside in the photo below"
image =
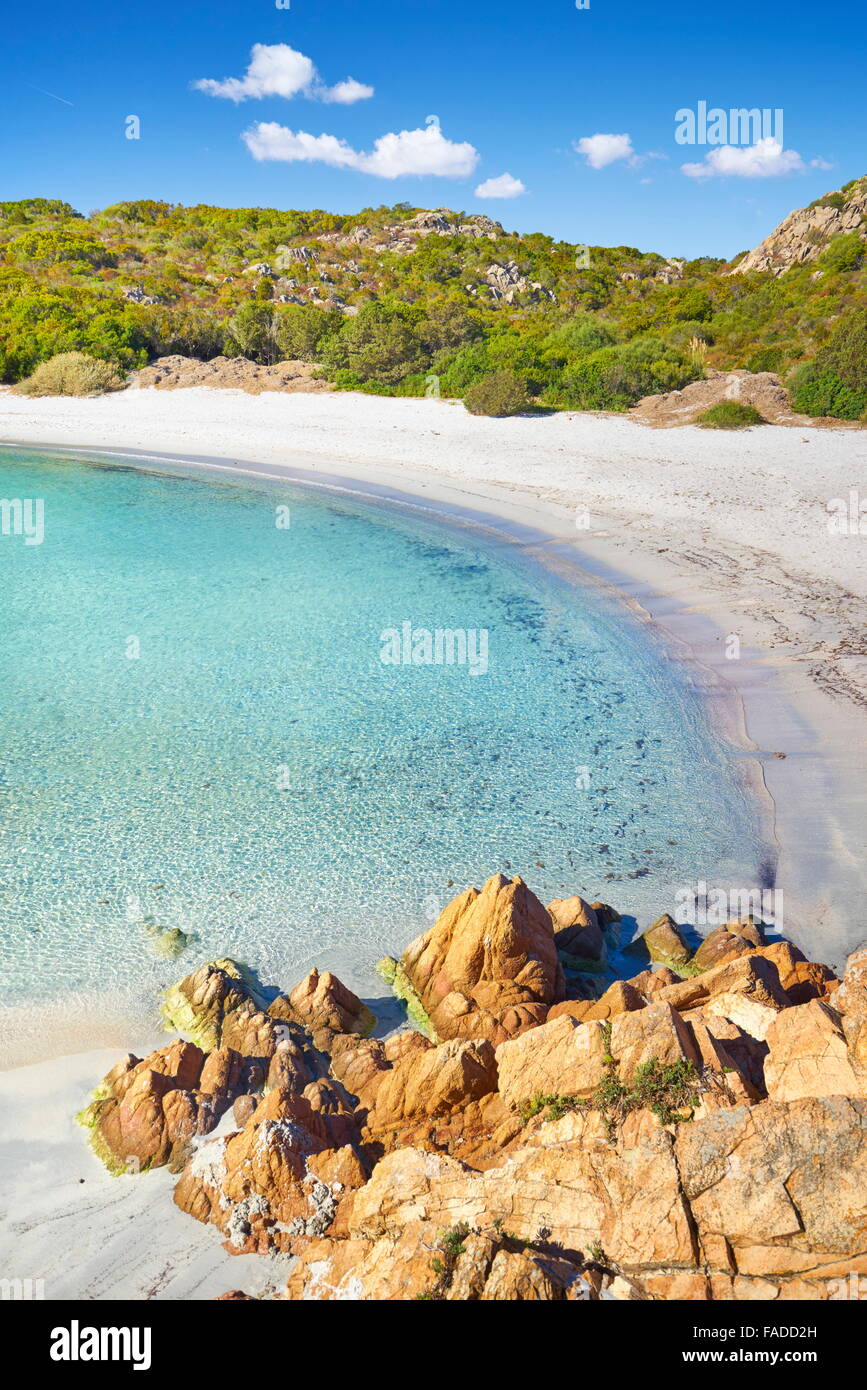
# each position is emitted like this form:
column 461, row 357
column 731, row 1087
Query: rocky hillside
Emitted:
column 808, row 232
column 545, row 1131
column 407, row 301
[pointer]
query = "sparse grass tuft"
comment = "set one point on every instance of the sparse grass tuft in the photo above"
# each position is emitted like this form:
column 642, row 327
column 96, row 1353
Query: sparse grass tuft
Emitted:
column 730, row 415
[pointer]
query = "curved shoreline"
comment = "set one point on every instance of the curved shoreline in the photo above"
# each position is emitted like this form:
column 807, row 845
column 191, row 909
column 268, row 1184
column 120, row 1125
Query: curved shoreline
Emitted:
column 758, row 702
column 551, row 542
column 692, row 584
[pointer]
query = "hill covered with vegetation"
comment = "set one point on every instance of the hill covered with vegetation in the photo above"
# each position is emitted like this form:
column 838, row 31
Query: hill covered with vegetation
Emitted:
column 404, row 301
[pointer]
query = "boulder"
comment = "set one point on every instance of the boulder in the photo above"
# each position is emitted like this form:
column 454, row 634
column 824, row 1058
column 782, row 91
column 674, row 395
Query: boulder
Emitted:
column 750, row 1015
column 750, row 974
column 434, row 1081
column 324, row 1005
column 145, row 1114
column 718, row 946
column 292, row 1066
column 360, row 1064
column 649, row 982
column 263, row 1186
column 559, row 1058
column 569, row 1059
column 800, row 979
column 606, row 915
column 621, row 997
column 219, row 1005
column 735, row 1059
column 577, row 932
column 488, row 968
column 655, row 1033
column 169, row 944
column 811, row 1055
column 735, row 938
column 662, row 943
column 522, row 1276
column 851, row 997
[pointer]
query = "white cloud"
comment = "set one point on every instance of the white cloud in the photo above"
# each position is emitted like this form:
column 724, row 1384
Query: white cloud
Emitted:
column 276, row 70
column 407, row 152
column 268, row 140
column 600, row 150
column 345, row 93
column 504, row 186
column 765, row 160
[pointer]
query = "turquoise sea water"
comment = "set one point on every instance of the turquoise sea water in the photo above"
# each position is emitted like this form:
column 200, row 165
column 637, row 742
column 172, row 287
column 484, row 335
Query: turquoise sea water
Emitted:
column 198, row 731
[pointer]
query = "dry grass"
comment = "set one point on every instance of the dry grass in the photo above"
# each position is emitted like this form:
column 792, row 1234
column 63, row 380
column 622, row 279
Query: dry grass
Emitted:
column 71, row 374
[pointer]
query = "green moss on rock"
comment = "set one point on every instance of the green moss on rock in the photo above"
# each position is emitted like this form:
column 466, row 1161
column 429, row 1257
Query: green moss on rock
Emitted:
column 88, row 1118
column 203, row 1024
column 170, row 944
column 402, row 987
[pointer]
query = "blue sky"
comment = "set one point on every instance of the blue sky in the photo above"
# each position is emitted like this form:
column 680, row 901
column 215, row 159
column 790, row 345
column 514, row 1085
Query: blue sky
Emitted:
column 514, row 89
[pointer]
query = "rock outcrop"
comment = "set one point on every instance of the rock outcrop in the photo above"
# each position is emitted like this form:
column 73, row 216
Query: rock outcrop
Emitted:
column 325, row 1006
column 662, row 943
column 147, row 1113
column 696, row 1138
column 763, row 390
column 578, row 931
column 219, row 1006
column 231, row 373
column 488, row 968
column 506, row 283
column 805, row 233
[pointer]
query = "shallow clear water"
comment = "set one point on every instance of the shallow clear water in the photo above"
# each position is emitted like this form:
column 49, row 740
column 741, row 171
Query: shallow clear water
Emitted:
column 257, row 775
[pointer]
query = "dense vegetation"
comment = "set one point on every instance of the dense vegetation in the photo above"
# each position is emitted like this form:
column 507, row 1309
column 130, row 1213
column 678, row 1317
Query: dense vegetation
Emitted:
column 382, row 303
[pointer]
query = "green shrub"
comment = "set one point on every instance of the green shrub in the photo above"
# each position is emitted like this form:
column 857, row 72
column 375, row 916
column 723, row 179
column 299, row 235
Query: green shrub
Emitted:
column 459, row 370
column 302, row 330
column 71, row 374
column 845, row 353
column 845, row 252
column 730, row 415
column 576, row 337
column 501, row 393
column 828, row 200
column 814, row 392
column 613, row 378
column 767, row 359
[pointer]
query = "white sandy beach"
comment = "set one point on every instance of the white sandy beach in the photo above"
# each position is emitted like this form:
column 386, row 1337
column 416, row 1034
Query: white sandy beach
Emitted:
column 710, row 533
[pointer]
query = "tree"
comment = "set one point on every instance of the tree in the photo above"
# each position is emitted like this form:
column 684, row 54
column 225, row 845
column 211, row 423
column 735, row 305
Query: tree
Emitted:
column 378, row 344
column 252, row 330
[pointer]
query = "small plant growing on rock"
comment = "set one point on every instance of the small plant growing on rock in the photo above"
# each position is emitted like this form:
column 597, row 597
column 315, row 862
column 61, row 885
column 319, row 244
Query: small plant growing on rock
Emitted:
column 666, row 1090
column 556, row 1106
column 451, row 1246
